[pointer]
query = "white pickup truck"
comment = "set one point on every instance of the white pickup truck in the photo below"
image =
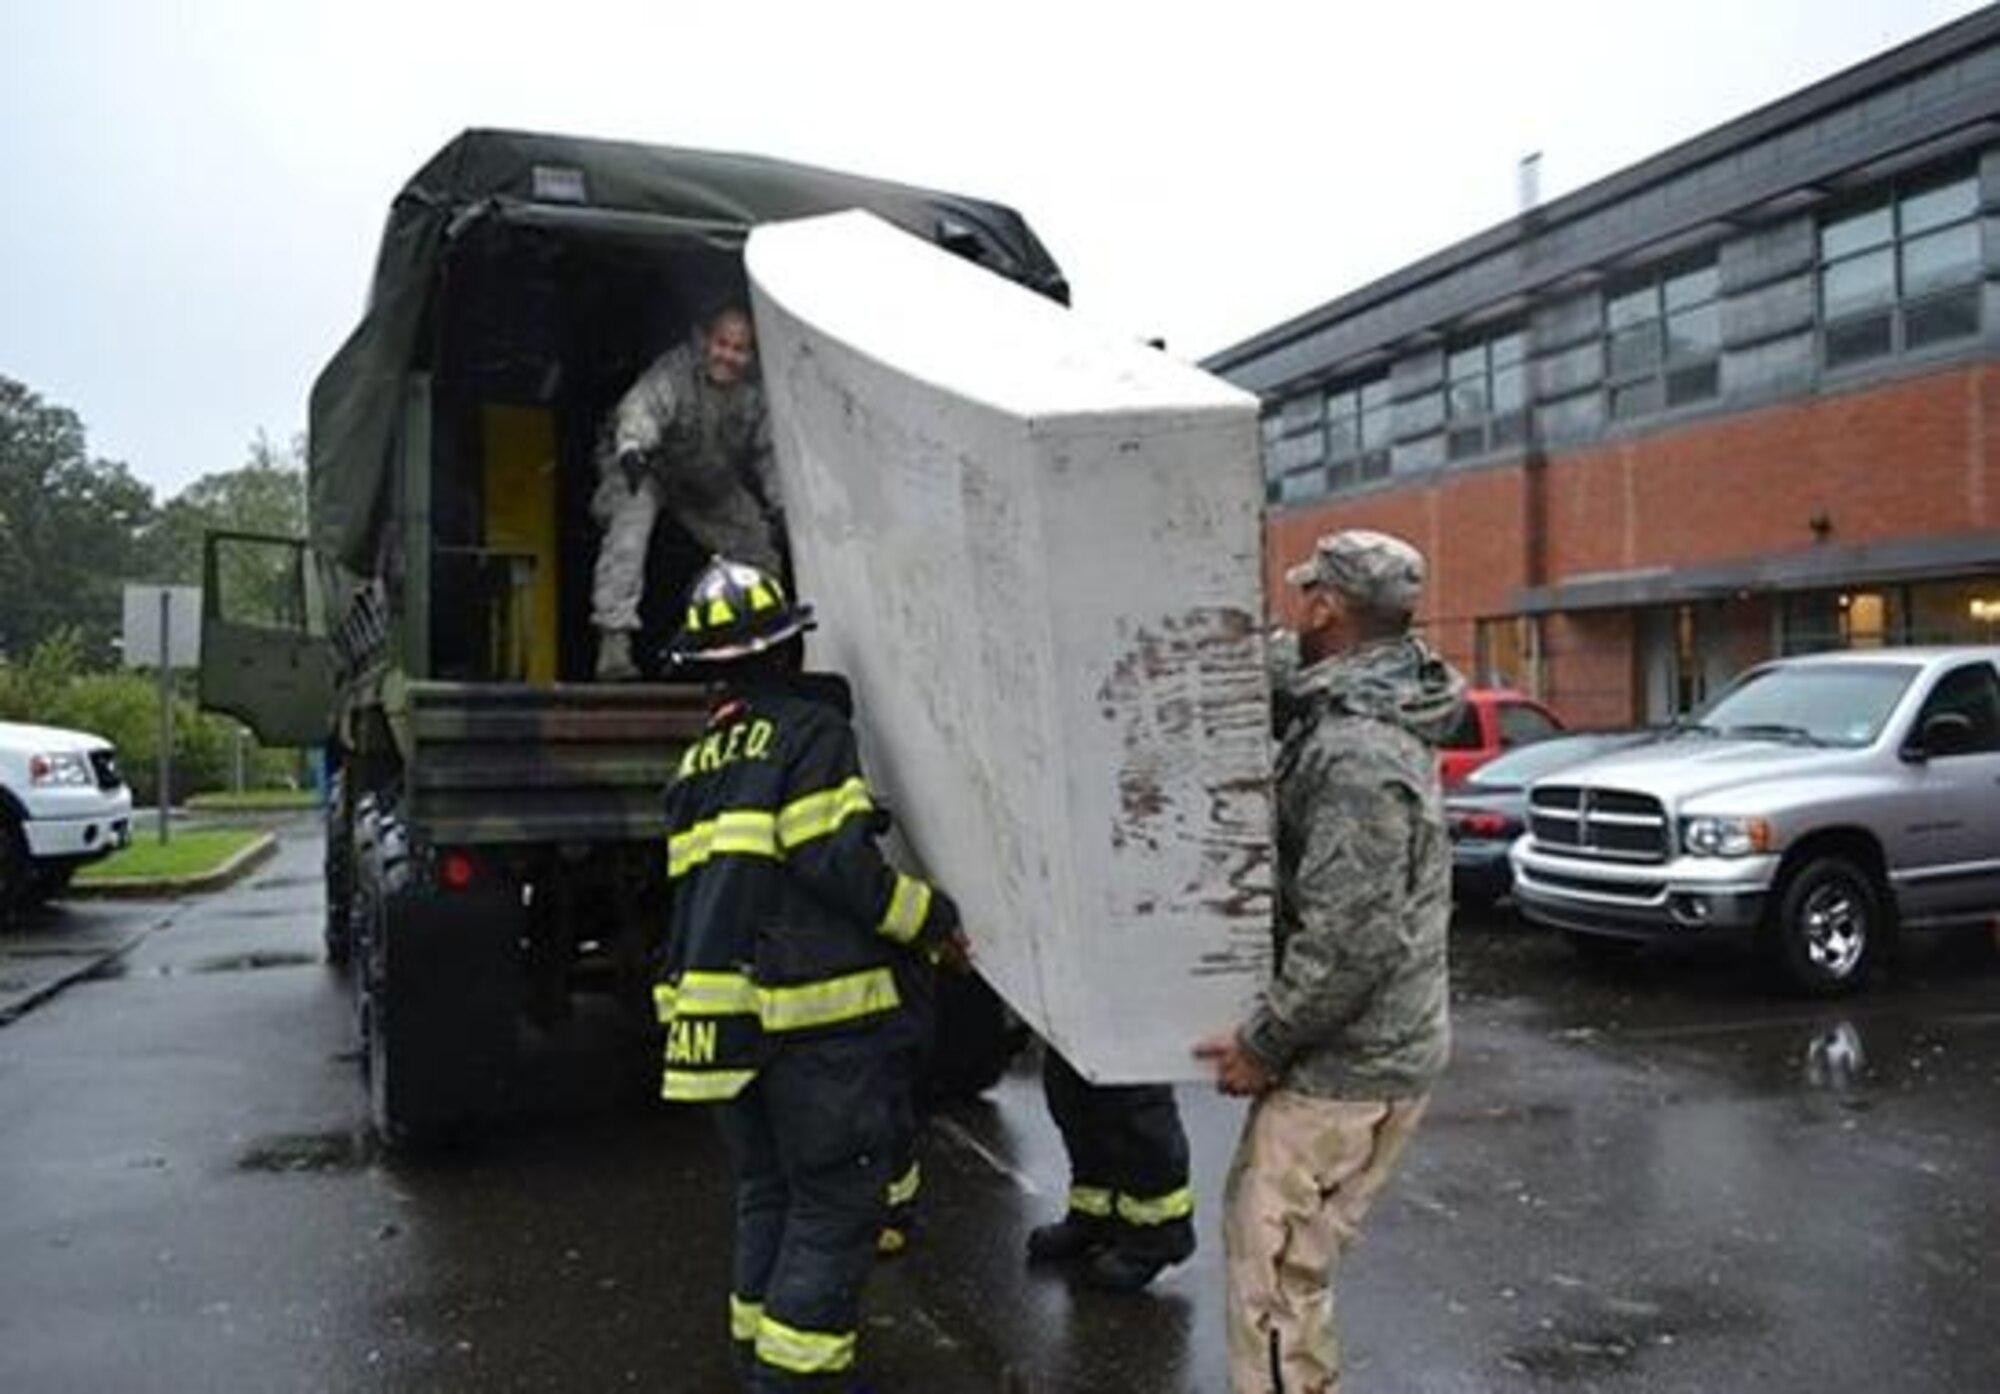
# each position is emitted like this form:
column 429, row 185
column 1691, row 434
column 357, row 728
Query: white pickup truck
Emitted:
column 1815, row 807
column 63, row 803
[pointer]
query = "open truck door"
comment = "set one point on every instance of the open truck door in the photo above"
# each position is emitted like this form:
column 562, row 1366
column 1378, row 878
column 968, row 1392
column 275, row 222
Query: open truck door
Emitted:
column 260, row 662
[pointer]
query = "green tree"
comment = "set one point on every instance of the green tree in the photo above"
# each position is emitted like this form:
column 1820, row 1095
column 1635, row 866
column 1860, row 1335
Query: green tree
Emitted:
column 69, row 528
column 265, row 495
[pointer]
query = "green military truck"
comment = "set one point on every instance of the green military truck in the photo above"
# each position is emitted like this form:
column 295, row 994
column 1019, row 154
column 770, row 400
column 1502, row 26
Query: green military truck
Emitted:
column 493, row 837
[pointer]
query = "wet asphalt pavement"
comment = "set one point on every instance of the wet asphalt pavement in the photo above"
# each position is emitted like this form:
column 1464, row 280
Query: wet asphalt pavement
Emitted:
column 1658, row 1176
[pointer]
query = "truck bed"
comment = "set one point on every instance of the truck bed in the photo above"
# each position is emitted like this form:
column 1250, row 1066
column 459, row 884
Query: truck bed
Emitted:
column 494, row 763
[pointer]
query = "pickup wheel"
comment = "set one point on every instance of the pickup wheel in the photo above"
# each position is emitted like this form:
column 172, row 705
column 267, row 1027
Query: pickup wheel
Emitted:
column 16, row 874
column 48, row 882
column 1829, row 927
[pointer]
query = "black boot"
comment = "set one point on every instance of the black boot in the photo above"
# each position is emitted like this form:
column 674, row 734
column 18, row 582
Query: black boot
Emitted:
column 1126, row 1267
column 1071, row 1239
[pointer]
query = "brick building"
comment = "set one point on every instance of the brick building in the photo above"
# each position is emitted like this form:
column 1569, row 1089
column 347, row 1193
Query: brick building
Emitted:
column 1738, row 400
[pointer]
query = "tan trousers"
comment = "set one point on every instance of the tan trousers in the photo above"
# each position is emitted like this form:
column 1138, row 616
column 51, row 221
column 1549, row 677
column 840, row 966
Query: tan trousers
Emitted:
column 1305, row 1172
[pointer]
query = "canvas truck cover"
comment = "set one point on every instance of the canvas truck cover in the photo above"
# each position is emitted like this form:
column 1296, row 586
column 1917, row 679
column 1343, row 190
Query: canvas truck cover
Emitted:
column 548, row 180
column 1035, row 549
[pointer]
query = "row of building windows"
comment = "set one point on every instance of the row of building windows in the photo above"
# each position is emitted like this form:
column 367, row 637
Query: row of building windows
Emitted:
column 1898, row 274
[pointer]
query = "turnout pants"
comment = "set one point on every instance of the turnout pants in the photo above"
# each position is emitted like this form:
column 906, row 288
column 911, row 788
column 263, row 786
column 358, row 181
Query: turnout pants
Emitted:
column 1128, row 1160
column 813, row 1138
column 1305, row 1173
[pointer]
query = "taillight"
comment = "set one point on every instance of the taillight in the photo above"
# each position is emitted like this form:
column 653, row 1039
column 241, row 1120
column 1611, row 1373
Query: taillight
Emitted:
column 455, row 871
column 1482, row 824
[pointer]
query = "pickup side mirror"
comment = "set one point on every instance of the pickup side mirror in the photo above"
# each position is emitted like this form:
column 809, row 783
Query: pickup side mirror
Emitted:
column 1944, row 733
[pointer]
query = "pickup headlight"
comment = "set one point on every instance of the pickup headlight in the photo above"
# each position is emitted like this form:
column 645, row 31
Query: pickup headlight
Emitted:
column 1726, row 837
column 66, row 769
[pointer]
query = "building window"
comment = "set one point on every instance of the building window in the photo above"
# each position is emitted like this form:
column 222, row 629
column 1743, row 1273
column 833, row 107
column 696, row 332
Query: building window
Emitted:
column 1814, row 621
column 1486, row 395
column 1506, row 652
column 1295, row 451
column 1901, row 273
column 1663, row 342
column 1357, row 433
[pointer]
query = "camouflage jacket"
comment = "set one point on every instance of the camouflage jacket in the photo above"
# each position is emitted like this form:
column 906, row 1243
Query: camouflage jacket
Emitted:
column 702, row 441
column 1357, row 1005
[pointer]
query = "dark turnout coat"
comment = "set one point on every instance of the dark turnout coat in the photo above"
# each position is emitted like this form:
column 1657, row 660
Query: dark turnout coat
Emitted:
column 786, row 919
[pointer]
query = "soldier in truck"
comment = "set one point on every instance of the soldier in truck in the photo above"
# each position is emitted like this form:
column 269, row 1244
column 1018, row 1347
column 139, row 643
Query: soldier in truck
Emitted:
column 690, row 435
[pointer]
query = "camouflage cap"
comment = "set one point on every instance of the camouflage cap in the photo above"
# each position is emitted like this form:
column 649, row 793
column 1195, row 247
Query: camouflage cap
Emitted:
column 1374, row 569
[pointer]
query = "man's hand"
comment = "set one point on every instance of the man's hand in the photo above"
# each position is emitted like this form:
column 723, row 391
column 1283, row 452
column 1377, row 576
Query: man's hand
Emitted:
column 1237, row 1071
column 950, row 950
column 953, row 954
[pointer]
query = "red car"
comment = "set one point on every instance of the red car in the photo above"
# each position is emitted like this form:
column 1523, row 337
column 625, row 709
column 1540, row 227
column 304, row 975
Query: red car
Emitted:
column 1494, row 719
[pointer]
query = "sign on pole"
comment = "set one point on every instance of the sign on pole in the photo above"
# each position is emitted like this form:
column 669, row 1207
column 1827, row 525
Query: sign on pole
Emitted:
column 163, row 632
column 154, row 614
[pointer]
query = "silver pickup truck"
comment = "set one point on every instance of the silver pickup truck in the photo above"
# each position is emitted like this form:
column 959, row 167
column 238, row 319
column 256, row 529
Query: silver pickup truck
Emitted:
column 1815, row 807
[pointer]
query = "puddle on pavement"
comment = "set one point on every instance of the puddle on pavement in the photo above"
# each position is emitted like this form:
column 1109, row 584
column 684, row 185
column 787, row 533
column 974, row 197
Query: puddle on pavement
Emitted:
column 281, row 883
column 243, row 963
column 1614, row 1333
column 308, row 1152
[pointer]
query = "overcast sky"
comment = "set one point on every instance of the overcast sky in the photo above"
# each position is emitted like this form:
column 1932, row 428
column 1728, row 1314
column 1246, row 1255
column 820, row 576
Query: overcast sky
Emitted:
column 192, row 191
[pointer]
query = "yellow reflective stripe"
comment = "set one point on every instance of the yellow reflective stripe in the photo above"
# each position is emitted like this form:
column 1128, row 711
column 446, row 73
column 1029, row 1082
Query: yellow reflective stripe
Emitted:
column 1156, row 1210
column 703, row 1086
column 1094, row 1201
column 744, row 831
column 904, row 1188
column 702, row 993
column 908, row 907
column 745, row 1317
column 803, row 1352
column 826, row 1003
column 663, row 1002
column 821, row 814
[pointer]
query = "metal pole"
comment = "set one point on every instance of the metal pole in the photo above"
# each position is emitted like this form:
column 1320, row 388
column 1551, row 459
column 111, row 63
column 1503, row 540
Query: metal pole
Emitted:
column 166, row 713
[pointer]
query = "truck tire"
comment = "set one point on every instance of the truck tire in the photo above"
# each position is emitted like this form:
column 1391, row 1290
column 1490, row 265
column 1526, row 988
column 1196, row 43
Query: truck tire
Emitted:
column 1829, row 926
column 338, row 932
column 976, row 1038
column 437, row 997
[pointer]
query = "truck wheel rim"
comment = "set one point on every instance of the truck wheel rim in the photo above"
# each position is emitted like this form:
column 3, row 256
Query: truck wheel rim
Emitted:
column 1836, row 929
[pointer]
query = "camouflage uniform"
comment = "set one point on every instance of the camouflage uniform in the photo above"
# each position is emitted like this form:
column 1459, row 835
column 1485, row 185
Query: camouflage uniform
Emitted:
column 708, row 452
column 1354, row 1024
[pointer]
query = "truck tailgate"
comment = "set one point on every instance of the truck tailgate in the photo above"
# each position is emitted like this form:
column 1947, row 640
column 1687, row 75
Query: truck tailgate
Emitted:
column 512, row 763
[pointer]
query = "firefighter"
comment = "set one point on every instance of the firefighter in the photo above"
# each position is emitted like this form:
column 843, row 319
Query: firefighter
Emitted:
column 1131, row 1212
column 791, row 951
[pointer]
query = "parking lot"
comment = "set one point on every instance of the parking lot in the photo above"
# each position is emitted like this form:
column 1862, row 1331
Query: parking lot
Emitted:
column 1657, row 1175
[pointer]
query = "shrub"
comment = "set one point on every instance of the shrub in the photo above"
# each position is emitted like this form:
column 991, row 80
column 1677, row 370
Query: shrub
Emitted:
column 124, row 708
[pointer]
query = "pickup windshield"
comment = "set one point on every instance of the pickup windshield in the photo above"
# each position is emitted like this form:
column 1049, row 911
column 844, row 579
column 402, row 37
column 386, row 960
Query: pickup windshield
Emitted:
column 1841, row 704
